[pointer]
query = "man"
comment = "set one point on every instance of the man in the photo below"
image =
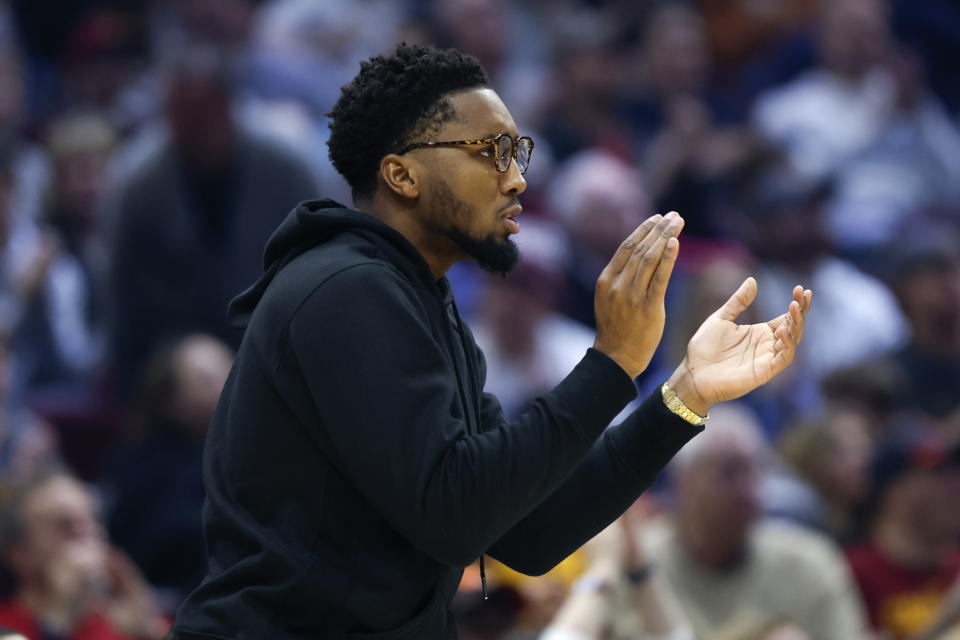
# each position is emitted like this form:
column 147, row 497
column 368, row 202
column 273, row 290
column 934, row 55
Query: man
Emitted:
column 620, row 576
column 154, row 513
column 729, row 567
column 925, row 277
column 354, row 466
column 70, row 583
column 191, row 220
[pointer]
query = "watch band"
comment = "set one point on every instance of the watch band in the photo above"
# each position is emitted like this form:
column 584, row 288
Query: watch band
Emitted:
column 675, row 404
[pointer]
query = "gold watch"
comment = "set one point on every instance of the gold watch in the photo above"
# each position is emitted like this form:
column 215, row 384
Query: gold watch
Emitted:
column 675, row 404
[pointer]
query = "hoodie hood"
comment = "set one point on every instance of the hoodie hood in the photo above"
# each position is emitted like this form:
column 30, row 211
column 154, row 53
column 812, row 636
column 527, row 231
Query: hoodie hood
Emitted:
column 312, row 223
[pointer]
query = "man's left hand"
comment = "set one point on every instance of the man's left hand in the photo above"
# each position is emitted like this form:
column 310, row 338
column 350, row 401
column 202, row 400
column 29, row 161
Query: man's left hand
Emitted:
column 725, row 360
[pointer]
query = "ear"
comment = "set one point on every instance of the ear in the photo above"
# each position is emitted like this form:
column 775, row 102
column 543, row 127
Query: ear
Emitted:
column 399, row 174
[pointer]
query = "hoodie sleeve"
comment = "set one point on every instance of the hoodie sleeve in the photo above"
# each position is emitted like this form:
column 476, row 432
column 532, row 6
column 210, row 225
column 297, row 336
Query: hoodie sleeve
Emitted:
column 621, row 465
column 383, row 390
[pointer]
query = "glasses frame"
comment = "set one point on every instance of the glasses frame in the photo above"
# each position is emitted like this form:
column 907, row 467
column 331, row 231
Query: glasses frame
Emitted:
column 494, row 141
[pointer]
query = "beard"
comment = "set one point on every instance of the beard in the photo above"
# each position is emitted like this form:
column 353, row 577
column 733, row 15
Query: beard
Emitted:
column 493, row 254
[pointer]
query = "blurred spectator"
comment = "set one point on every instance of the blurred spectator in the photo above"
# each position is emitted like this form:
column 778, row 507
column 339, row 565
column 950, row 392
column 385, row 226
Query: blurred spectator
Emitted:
column 61, row 336
column 301, row 53
column 26, row 253
column 913, row 555
column 70, row 582
column 784, row 229
column 832, row 456
column 599, row 200
column 587, row 107
column 620, row 578
column 755, row 44
column 753, row 47
column 500, row 35
column 305, row 50
column 673, row 62
column 688, row 152
column 193, row 221
column 867, row 117
column 925, row 267
column 868, row 388
column 724, row 563
column 481, row 28
column 827, row 115
column 911, row 164
column 154, row 512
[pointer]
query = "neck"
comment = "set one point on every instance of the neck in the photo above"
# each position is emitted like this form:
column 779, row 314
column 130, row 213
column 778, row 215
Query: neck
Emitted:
column 438, row 250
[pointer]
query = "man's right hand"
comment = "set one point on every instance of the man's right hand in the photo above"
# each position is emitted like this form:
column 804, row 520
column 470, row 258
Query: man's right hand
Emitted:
column 629, row 298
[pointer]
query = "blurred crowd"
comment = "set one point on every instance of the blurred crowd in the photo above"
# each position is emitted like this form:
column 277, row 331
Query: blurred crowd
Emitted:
column 148, row 148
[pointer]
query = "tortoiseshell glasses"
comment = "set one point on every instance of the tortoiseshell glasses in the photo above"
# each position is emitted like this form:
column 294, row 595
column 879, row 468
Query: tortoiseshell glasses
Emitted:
column 505, row 149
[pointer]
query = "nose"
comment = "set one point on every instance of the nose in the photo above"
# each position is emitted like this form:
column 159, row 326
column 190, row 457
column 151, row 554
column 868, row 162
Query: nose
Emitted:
column 512, row 182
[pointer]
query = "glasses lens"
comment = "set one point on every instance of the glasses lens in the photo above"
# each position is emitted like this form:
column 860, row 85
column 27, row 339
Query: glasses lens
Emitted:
column 524, row 148
column 504, row 152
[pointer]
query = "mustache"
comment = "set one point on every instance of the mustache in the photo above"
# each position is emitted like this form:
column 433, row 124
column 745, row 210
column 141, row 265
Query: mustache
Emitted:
column 513, row 203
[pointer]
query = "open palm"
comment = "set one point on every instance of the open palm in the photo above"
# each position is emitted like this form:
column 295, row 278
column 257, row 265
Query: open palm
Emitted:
column 726, row 360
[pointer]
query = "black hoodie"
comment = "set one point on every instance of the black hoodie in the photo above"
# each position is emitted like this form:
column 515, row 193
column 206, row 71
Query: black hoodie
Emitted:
column 353, row 467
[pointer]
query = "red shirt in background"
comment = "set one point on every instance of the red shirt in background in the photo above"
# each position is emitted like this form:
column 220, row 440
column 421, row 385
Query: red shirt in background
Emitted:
column 94, row 627
column 898, row 600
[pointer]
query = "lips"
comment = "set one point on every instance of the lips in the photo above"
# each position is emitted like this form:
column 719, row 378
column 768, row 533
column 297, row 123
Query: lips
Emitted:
column 510, row 218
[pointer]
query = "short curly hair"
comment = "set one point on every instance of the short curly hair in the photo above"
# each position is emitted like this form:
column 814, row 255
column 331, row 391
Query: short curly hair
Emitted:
column 390, row 102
